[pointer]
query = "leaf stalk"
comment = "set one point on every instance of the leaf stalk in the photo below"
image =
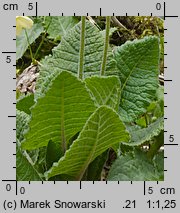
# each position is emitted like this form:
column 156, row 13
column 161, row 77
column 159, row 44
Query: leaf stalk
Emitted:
column 106, row 44
column 82, row 47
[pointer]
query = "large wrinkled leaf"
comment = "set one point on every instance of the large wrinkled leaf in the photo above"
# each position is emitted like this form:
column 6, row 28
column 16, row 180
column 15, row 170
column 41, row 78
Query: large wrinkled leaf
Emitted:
column 138, row 64
column 135, row 166
column 22, row 42
column 104, row 90
column 141, row 135
column 66, row 55
column 59, row 25
column 25, row 171
column 60, row 114
column 22, row 120
column 102, row 130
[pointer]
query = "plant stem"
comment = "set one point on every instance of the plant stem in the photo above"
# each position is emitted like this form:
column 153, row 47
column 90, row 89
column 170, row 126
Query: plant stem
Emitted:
column 106, row 44
column 82, row 46
column 43, row 38
column 31, row 54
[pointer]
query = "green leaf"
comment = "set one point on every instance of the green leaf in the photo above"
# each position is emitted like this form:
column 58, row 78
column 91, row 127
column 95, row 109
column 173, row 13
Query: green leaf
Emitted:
column 104, row 90
column 24, row 169
column 66, row 56
column 22, row 120
column 159, row 163
column 21, row 41
column 138, row 64
column 134, row 166
column 102, row 130
column 60, row 114
column 59, row 25
column 25, row 103
column 141, row 135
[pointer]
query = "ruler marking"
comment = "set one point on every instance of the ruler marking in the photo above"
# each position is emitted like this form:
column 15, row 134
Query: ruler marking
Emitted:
column 8, row 52
column 164, row 10
column 16, row 187
column 36, row 9
column 171, row 144
column 144, row 187
column 172, row 16
column 168, row 80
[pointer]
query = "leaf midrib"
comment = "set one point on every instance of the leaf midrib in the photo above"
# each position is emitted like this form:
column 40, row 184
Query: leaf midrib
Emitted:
column 88, row 161
column 63, row 139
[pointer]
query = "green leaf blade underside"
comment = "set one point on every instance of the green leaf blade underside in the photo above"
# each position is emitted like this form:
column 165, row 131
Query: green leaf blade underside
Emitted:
column 102, row 130
column 60, row 114
column 59, row 25
column 21, row 40
column 24, row 169
column 141, row 135
column 138, row 64
column 135, row 166
column 22, row 120
column 66, row 55
column 104, row 90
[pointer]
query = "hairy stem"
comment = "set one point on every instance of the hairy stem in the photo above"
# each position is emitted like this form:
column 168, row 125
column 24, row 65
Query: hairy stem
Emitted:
column 82, row 45
column 106, row 44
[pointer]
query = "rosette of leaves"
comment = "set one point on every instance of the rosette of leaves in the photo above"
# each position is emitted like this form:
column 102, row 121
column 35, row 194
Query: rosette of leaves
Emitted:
column 81, row 112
